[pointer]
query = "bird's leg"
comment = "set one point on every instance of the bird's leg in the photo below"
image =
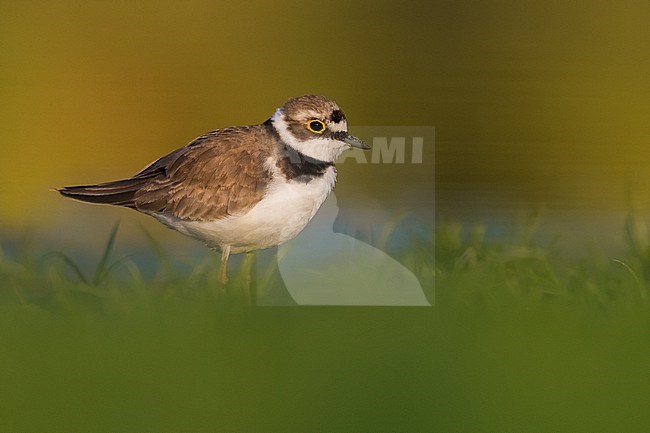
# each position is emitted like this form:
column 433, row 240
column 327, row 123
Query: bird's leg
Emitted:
column 223, row 268
column 247, row 266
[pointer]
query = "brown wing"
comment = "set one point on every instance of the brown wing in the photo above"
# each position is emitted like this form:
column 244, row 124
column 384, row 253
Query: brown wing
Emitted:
column 219, row 174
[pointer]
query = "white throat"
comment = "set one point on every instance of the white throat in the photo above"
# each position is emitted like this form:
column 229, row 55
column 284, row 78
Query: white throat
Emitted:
column 321, row 148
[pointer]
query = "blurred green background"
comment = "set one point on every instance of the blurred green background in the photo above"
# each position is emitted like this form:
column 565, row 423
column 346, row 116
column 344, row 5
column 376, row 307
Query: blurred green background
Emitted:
column 532, row 103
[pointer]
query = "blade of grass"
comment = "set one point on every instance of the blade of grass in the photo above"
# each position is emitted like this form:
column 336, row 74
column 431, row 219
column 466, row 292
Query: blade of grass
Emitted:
column 102, row 265
column 637, row 280
column 71, row 264
column 115, row 264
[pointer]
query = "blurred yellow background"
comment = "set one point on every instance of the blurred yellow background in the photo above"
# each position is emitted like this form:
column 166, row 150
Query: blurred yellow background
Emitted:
column 532, row 101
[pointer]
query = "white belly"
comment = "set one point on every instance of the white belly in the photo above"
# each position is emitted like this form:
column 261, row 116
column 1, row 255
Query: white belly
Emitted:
column 281, row 215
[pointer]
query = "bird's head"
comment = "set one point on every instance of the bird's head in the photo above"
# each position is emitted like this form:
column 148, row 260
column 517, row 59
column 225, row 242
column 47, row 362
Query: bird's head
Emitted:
column 314, row 126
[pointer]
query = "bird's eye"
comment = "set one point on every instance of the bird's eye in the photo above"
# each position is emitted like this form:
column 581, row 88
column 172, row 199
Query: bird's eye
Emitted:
column 315, row 126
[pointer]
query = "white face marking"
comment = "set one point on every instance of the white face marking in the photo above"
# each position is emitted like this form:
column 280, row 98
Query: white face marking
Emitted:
column 336, row 127
column 323, row 149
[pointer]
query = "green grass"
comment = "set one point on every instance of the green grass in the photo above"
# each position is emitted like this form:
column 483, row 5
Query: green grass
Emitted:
column 520, row 338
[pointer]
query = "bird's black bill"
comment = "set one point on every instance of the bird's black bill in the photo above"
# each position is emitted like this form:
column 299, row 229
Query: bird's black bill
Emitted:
column 353, row 141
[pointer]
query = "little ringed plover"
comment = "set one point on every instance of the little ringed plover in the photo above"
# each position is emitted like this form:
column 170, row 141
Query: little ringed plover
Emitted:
column 241, row 188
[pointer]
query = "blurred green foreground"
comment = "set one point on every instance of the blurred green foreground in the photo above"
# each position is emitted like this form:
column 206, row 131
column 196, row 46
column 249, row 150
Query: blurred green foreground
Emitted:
column 518, row 340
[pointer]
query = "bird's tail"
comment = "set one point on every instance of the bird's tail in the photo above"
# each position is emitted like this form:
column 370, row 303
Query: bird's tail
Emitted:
column 119, row 193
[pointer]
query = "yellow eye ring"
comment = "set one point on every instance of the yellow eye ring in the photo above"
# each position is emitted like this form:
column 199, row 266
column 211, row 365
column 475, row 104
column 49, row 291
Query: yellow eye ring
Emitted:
column 315, row 126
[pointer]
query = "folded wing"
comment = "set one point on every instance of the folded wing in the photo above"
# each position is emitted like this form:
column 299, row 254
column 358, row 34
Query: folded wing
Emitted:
column 219, row 174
